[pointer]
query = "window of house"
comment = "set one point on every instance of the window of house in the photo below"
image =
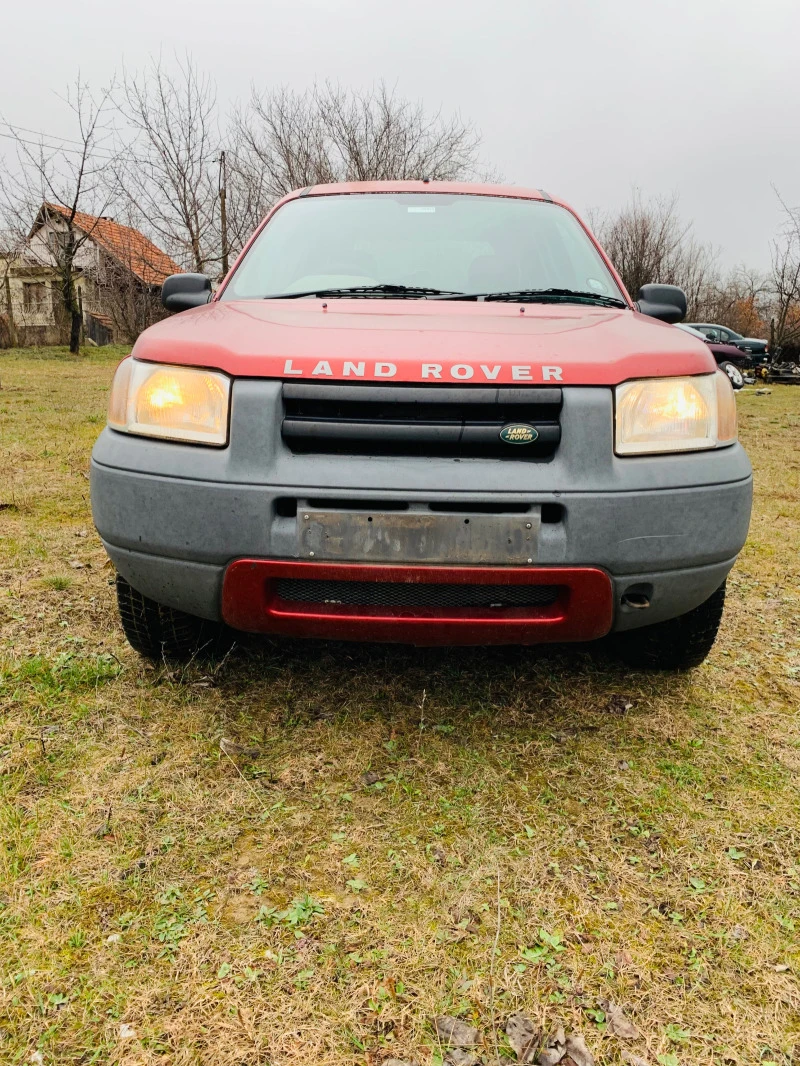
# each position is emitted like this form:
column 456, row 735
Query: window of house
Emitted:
column 58, row 240
column 34, row 295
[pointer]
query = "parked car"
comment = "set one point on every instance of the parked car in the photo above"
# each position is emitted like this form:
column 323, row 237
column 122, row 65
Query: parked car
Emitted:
column 730, row 359
column 757, row 349
column 426, row 413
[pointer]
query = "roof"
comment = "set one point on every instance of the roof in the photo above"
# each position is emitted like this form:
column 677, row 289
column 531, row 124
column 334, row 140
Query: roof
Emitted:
column 127, row 245
column 463, row 188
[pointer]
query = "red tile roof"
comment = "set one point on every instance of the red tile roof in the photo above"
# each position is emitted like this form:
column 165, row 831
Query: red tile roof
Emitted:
column 128, row 246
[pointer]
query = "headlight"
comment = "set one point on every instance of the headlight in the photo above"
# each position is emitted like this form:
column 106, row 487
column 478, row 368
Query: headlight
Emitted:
column 173, row 402
column 675, row 414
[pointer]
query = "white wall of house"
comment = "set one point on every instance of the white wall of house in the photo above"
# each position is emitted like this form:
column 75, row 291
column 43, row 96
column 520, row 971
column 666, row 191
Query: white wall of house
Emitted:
column 34, row 282
column 31, row 292
column 41, row 245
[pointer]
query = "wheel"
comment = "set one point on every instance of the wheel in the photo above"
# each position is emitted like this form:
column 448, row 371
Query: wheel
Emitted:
column 678, row 644
column 158, row 632
column 735, row 375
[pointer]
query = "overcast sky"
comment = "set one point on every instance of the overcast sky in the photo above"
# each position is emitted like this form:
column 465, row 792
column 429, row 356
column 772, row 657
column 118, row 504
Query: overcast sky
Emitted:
column 585, row 98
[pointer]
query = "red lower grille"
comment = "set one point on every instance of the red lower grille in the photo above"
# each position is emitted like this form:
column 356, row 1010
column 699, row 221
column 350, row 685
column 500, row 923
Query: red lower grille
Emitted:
column 417, row 604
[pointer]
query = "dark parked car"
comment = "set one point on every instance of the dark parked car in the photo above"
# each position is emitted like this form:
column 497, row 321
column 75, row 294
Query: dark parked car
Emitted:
column 730, row 359
column 755, row 348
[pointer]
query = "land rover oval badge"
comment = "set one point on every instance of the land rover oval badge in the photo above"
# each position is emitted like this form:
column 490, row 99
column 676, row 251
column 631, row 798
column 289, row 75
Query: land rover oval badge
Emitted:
column 518, row 433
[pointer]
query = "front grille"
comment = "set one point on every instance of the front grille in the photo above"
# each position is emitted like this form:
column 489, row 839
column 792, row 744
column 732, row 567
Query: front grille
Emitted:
column 419, row 420
column 414, row 594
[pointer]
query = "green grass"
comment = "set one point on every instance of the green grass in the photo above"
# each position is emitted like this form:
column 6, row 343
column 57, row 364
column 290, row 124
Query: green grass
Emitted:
column 275, row 905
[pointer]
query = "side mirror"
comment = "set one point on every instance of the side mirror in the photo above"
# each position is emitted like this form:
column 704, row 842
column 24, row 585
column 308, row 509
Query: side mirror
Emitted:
column 181, row 292
column 665, row 302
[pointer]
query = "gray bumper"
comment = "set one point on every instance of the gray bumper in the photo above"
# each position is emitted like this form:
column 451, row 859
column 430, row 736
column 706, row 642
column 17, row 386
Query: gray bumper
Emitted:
column 173, row 516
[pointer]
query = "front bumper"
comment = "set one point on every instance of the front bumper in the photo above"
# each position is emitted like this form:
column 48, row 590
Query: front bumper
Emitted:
column 582, row 607
column 202, row 530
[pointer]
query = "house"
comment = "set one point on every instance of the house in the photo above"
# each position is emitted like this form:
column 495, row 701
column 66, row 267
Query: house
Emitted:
column 117, row 272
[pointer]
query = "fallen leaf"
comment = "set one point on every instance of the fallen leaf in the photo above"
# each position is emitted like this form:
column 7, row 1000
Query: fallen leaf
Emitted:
column 619, row 705
column 554, row 1050
column 523, row 1036
column 229, row 747
column 623, row 959
column 551, row 1057
column 454, row 1032
column 634, row 1060
column 459, row 1057
column 617, row 1023
column 578, row 1051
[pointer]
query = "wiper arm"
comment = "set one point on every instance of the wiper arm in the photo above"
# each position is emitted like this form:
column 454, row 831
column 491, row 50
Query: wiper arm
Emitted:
column 386, row 289
column 541, row 296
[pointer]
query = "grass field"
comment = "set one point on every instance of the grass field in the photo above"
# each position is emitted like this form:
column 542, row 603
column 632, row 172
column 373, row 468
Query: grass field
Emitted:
column 304, row 854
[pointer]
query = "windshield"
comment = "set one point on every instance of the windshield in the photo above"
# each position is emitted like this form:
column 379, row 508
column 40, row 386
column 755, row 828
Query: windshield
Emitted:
column 690, row 329
column 428, row 242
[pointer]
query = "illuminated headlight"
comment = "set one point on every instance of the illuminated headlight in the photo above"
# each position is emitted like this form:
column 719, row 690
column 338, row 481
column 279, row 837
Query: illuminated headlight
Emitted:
column 675, row 414
column 173, row 402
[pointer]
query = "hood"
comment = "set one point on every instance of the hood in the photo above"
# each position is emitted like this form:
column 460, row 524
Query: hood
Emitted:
column 424, row 340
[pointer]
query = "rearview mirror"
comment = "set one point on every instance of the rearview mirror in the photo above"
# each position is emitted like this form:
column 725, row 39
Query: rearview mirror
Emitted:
column 181, row 292
column 665, row 302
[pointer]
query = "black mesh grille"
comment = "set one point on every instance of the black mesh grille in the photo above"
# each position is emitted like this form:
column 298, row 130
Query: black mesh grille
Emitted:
column 408, row 594
column 423, row 420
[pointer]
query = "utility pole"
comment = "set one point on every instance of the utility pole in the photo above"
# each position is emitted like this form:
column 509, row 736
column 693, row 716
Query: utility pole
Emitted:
column 223, row 211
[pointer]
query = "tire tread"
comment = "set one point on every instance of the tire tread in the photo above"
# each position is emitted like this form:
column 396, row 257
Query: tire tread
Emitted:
column 158, row 632
column 677, row 644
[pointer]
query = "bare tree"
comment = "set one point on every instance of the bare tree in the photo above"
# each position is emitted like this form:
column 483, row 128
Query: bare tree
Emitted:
column 128, row 279
column 58, row 184
column 9, row 254
column 785, row 282
column 648, row 242
column 741, row 301
column 284, row 140
column 167, row 170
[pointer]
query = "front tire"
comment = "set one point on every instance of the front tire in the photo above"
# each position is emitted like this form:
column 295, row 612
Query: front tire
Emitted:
column 677, row 644
column 161, row 633
column 735, row 376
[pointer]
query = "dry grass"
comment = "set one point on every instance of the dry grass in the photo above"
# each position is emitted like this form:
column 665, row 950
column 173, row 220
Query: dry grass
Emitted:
column 274, row 906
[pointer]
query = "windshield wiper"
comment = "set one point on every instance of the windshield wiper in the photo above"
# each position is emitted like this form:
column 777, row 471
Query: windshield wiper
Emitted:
column 366, row 291
column 541, row 296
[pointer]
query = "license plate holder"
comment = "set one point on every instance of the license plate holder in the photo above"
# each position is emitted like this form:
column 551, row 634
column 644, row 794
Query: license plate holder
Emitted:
column 419, row 537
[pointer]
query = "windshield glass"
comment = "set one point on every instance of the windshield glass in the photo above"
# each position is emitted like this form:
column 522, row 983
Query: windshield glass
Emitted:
column 425, row 240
